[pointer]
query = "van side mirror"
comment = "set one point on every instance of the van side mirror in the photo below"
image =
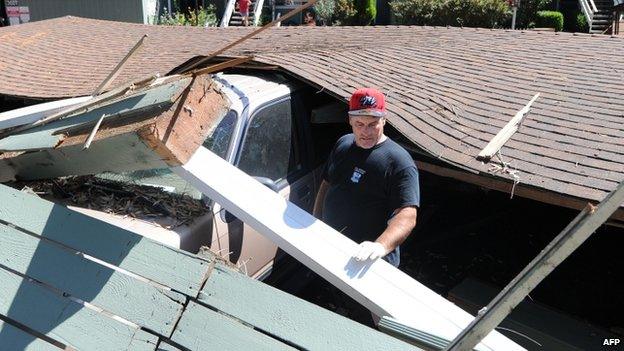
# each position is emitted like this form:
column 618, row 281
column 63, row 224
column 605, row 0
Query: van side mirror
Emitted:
column 226, row 216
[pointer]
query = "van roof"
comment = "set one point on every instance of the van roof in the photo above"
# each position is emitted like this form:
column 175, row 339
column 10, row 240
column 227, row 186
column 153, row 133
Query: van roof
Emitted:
column 258, row 88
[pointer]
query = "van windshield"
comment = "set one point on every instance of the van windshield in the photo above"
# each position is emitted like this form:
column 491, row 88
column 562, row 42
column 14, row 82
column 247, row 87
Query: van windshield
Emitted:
column 218, row 141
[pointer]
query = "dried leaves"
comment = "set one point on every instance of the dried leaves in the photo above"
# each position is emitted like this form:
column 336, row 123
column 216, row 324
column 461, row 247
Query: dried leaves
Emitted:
column 126, row 199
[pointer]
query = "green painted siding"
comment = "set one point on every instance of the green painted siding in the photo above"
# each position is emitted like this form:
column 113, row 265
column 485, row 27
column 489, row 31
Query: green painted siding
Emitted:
column 113, row 10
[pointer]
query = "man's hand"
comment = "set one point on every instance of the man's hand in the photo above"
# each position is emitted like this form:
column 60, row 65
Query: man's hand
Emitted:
column 369, row 250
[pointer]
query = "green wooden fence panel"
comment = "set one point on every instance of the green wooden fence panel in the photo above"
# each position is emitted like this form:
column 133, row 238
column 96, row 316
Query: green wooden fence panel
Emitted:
column 65, row 320
column 115, row 292
column 12, row 338
column 174, row 268
column 203, row 329
column 163, row 346
column 302, row 324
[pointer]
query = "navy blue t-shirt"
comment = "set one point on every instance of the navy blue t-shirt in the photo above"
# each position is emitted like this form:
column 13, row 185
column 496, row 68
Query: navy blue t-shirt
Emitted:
column 367, row 186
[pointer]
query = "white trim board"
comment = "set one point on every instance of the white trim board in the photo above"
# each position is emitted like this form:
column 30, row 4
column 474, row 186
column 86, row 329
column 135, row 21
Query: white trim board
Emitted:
column 383, row 289
column 30, row 114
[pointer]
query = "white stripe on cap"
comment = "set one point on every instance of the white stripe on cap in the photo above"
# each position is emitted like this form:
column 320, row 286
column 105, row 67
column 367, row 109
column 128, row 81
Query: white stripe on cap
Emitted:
column 367, row 112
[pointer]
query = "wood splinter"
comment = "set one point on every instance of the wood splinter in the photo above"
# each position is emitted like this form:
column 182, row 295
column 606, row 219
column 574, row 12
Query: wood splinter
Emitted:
column 506, row 133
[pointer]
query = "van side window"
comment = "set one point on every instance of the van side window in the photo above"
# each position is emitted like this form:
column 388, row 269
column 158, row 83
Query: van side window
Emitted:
column 268, row 148
column 218, row 140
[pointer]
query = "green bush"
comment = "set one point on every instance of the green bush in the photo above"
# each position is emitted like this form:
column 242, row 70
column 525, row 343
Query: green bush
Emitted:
column 205, row 17
column 325, row 11
column 344, row 13
column 527, row 12
column 366, row 11
column 581, row 23
column 549, row 19
column 465, row 13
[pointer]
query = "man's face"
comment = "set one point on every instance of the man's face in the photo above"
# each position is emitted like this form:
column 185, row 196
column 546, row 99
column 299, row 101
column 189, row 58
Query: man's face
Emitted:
column 367, row 130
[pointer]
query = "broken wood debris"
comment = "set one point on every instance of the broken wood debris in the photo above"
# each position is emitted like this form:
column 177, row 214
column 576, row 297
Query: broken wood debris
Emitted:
column 170, row 127
column 115, row 72
column 92, row 134
column 85, row 106
column 223, row 65
column 118, row 198
column 506, row 133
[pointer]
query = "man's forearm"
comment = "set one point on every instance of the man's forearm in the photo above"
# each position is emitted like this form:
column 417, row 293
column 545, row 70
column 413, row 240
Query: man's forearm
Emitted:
column 398, row 229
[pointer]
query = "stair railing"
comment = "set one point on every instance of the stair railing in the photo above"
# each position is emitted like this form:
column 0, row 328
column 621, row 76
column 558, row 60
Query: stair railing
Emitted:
column 227, row 13
column 257, row 12
column 589, row 8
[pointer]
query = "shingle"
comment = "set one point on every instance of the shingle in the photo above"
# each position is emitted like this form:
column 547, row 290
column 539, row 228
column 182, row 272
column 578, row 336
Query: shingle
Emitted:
column 450, row 90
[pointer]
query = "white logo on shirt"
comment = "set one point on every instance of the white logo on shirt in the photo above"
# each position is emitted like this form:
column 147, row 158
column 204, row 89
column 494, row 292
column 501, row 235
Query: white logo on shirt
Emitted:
column 357, row 174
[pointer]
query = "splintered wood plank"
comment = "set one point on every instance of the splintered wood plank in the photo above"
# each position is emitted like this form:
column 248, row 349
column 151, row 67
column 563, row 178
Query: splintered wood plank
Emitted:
column 46, row 136
column 117, row 293
column 174, row 268
column 378, row 286
column 33, row 113
column 178, row 132
column 13, row 338
column 302, row 324
column 153, row 139
column 201, row 328
column 501, row 138
column 64, row 320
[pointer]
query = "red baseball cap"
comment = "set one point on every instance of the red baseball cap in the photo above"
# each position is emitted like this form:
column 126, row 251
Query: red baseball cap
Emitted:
column 367, row 102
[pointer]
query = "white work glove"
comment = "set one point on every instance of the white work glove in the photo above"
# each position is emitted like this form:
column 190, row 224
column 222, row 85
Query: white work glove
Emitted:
column 369, row 250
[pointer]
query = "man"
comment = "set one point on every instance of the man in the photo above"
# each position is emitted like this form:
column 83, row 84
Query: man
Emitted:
column 243, row 8
column 370, row 188
column 309, row 18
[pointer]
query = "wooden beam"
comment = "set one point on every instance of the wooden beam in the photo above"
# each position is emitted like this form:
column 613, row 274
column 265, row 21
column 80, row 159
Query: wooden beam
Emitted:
column 159, row 140
column 521, row 190
column 223, row 65
column 177, row 134
column 49, row 136
column 570, row 239
column 30, row 114
column 378, row 286
column 85, row 106
column 504, row 134
column 115, row 72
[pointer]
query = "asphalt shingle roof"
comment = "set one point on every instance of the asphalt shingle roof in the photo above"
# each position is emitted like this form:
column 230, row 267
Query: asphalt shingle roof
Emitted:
column 450, row 90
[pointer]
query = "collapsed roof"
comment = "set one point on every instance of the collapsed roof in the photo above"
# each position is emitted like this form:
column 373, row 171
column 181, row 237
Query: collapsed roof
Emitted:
column 450, row 90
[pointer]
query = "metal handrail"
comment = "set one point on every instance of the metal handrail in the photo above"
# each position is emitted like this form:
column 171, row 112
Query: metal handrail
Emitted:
column 593, row 6
column 227, row 13
column 587, row 11
column 257, row 11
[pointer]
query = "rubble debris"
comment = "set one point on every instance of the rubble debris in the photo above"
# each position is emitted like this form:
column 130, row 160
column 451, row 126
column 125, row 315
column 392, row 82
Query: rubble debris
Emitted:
column 119, row 198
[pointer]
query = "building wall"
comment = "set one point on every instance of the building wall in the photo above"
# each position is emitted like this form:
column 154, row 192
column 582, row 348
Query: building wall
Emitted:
column 114, row 10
